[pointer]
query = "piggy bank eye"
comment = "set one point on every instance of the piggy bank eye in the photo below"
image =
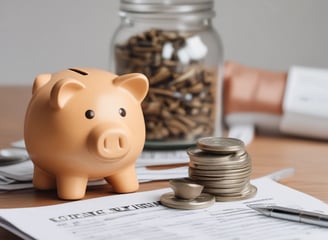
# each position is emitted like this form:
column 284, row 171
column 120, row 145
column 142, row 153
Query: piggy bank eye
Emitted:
column 122, row 112
column 89, row 114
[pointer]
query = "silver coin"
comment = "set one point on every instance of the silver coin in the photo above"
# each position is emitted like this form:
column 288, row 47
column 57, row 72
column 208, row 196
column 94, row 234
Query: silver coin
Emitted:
column 220, row 144
column 204, row 200
column 219, row 173
column 217, row 162
column 219, row 178
column 214, row 159
column 196, row 153
column 251, row 193
column 225, row 166
column 237, row 193
column 240, row 153
column 222, row 191
column 223, row 183
column 220, row 169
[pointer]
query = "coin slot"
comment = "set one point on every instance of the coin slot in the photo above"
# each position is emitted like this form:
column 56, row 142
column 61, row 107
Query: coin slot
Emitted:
column 78, row 71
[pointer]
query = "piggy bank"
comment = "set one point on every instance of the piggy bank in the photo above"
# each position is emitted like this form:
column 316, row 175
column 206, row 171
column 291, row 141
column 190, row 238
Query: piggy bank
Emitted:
column 83, row 124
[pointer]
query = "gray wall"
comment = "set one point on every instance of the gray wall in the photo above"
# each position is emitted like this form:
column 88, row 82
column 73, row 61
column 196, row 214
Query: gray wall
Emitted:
column 45, row 36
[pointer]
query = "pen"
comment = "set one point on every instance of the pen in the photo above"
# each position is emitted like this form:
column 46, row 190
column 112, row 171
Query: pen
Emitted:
column 295, row 215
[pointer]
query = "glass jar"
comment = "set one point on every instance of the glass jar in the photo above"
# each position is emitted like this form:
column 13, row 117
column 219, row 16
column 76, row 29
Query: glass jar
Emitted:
column 174, row 45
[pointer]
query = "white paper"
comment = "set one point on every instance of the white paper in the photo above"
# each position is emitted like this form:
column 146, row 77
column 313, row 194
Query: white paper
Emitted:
column 147, row 158
column 146, row 175
column 244, row 124
column 19, row 175
column 140, row 216
column 22, row 171
column 18, row 144
column 163, row 157
column 305, row 111
column 244, row 132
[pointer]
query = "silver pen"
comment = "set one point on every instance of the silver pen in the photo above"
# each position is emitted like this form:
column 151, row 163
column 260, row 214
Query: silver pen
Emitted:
column 291, row 214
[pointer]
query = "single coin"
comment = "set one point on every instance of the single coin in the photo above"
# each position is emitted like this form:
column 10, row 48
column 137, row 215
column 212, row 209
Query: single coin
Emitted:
column 184, row 188
column 225, row 166
column 244, row 190
column 204, row 158
column 220, row 144
column 220, row 167
column 215, row 161
column 251, row 193
column 223, row 183
column 219, row 172
column 196, row 153
column 228, row 177
column 204, row 200
column 222, row 191
column 217, row 175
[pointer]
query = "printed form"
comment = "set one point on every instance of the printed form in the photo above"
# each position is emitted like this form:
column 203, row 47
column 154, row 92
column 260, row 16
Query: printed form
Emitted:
column 141, row 216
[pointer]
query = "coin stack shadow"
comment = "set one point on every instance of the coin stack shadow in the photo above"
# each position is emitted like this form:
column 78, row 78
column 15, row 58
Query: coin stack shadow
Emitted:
column 223, row 168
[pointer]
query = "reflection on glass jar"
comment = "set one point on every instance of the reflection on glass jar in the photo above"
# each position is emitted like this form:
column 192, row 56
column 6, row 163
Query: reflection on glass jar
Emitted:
column 175, row 46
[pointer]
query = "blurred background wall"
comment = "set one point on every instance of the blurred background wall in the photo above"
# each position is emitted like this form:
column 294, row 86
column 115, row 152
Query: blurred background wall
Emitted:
column 46, row 36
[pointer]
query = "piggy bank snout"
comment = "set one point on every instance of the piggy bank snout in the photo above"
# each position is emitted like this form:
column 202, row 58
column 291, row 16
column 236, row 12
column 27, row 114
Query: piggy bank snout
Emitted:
column 108, row 143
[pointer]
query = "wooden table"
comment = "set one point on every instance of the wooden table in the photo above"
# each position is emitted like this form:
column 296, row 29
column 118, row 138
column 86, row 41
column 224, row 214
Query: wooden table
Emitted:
column 268, row 153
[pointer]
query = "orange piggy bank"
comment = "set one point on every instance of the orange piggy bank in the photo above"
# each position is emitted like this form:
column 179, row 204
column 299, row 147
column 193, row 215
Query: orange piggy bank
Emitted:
column 83, row 124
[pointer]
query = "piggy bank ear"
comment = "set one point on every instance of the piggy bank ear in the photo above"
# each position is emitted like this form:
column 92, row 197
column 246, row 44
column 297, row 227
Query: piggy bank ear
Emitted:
column 136, row 83
column 40, row 81
column 63, row 90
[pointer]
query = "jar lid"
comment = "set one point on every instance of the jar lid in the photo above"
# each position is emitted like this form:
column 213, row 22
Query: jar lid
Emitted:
column 184, row 7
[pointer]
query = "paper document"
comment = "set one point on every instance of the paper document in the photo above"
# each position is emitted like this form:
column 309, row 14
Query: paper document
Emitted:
column 19, row 175
column 141, row 216
column 244, row 132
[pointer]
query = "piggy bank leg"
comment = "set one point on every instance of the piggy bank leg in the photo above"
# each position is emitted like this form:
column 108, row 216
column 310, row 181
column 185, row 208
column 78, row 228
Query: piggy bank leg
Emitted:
column 125, row 180
column 71, row 187
column 43, row 180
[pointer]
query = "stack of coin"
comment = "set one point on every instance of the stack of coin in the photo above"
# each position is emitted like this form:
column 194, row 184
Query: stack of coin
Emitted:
column 223, row 167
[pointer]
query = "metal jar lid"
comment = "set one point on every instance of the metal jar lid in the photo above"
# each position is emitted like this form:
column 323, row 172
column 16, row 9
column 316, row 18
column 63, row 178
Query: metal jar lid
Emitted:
column 162, row 8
